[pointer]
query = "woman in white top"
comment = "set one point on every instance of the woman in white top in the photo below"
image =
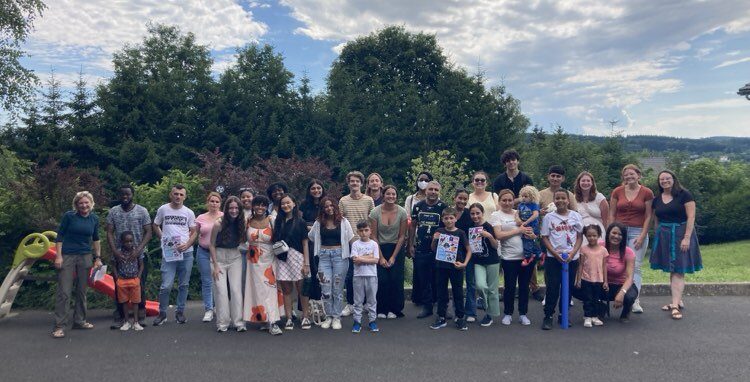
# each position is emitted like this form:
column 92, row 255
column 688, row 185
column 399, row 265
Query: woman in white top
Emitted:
column 511, row 256
column 592, row 205
column 423, row 178
column 488, row 200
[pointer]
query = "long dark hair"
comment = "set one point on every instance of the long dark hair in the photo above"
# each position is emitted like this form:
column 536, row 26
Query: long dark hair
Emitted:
column 280, row 227
column 232, row 227
column 322, row 213
column 676, row 186
column 623, row 243
column 260, row 200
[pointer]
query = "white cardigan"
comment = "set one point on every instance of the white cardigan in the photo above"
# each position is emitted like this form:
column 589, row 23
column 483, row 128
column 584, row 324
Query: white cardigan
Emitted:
column 346, row 236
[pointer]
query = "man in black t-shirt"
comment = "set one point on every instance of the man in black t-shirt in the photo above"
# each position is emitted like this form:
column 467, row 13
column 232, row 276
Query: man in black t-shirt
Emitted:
column 426, row 219
column 512, row 179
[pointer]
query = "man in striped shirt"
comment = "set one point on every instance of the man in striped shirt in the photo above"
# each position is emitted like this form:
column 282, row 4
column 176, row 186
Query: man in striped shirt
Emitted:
column 354, row 207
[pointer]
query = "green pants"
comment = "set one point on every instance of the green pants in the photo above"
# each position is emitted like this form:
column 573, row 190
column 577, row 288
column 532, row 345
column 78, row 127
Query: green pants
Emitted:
column 74, row 268
column 487, row 281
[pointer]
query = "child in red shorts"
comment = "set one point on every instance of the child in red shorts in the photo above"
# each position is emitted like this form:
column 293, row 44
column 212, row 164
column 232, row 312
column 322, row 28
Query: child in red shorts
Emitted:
column 128, row 270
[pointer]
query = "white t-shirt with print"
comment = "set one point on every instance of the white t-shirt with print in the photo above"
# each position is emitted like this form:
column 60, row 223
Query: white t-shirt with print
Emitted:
column 361, row 248
column 175, row 224
column 562, row 231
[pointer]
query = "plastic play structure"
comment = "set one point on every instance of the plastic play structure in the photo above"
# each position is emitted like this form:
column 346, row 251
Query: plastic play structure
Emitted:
column 38, row 246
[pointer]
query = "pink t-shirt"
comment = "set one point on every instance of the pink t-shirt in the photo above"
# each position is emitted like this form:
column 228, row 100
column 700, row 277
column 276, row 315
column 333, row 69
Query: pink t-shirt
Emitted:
column 592, row 260
column 205, row 225
column 616, row 266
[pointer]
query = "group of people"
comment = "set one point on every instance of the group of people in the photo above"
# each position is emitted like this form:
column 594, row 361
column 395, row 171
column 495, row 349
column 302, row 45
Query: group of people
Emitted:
column 257, row 253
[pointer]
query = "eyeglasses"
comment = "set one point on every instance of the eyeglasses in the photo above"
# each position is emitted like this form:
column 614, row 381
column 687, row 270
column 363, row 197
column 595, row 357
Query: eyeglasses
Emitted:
column 479, row 180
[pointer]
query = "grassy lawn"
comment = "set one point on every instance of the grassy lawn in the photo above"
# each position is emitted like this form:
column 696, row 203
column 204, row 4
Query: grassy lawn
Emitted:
column 728, row 262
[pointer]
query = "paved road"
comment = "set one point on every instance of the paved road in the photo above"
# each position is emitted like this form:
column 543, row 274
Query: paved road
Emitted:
column 709, row 344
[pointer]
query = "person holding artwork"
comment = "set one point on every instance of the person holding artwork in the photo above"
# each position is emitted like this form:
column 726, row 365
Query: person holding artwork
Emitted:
column 486, row 262
column 452, row 254
column 174, row 225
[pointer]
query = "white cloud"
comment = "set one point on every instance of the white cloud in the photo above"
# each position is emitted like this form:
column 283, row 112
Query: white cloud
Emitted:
column 91, row 30
column 586, row 59
column 732, row 62
column 727, row 103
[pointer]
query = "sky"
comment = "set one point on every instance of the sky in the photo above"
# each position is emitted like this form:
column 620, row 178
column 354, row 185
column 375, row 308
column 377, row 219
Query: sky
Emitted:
column 667, row 67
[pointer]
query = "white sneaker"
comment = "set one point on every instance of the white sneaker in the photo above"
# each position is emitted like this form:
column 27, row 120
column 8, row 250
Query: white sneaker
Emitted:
column 587, row 322
column 208, row 316
column 126, row 326
column 347, row 311
column 571, row 302
column 506, row 319
column 275, row 330
column 326, row 323
column 336, row 325
column 382, row 316
column 391, row 315
column 242, row 328
column 471, row 319
column 596, row 321
column 524, row 320
column 137, row 327
column 637, row 306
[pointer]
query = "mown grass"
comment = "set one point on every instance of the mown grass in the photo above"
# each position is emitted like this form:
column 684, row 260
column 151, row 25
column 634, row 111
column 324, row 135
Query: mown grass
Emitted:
column 726, row 262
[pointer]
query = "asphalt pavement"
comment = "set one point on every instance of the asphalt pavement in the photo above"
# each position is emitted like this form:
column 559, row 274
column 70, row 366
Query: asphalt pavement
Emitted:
column 709, row 344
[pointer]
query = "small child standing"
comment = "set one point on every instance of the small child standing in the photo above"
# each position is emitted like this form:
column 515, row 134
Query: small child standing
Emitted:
column 128, row 270
column 591, row 277
column 527, row 215
column 365, row 256
column 452, row 254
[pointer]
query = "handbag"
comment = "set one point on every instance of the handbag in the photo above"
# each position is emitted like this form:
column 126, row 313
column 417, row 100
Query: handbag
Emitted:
column 280, row 249
column 307, row 285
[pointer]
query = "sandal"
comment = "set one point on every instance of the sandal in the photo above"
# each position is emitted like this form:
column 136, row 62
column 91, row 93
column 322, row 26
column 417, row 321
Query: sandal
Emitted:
column 676, row 313
column 668, row 307
column 84, row 325
column 58, row 333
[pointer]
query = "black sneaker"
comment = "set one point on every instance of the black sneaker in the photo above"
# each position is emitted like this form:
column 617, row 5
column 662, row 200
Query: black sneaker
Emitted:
column 547, row 323
column 160, row 319
column 461, row 324
column 180, row 317
column 486, row 321
column 142, row 323
column 538, row 295
column 426, row 312
column 439, row 323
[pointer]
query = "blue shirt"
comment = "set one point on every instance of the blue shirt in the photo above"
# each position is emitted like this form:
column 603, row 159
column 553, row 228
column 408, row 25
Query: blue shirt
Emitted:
column 525, row 210
column 76, row 233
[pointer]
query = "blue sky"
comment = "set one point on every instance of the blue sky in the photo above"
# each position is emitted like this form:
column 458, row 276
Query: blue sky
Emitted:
column 657, row 67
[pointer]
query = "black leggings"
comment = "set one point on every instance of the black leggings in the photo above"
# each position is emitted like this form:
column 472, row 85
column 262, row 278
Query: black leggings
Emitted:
column 553, row 278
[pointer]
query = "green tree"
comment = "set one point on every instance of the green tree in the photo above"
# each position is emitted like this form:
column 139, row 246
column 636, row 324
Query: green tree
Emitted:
column 393, row 95
column 445, row 167
column 256, row 104
column 16, row 23
column 162, row 91
column 86, row 143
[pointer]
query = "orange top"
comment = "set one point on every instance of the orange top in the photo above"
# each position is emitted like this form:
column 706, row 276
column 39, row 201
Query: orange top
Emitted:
column 632, row 213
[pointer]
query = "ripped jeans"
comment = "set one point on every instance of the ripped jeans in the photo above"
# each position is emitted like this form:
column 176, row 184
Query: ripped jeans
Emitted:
column 332, row 270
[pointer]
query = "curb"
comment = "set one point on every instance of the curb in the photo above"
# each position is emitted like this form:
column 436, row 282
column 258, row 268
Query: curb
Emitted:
column 696, row 289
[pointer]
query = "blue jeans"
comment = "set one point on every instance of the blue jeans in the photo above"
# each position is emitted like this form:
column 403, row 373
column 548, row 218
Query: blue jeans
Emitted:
column 203, row 258
column 332, row 270
column 168, row 271
column 470, row 307
column 633, row 233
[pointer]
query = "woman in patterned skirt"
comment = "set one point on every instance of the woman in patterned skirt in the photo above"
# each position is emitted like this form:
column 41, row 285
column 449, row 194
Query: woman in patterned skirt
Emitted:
column 262, row 299
column 292, row 268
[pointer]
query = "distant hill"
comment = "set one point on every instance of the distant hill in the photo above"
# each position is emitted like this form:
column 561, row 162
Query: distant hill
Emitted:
column 735, row 147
